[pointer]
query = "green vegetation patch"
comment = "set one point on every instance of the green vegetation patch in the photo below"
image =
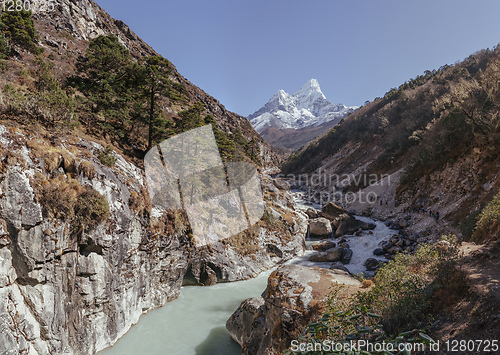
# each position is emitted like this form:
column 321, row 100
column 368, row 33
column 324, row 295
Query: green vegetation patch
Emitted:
column 106, row 157
column 17, row 27
column 488, row 221
column 408, row 292
column 91, row 209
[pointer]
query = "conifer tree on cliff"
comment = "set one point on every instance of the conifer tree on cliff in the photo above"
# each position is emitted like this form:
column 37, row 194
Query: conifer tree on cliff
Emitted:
column 155, row 83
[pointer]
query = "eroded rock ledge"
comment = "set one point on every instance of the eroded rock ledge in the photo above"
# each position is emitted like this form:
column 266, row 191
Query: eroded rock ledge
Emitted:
column 294, row 295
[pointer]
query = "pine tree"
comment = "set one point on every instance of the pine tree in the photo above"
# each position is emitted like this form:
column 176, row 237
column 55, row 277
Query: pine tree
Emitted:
column 4, row 42
column 18, row 28
column 53, row 101
column 155, row 82
column 106, row 77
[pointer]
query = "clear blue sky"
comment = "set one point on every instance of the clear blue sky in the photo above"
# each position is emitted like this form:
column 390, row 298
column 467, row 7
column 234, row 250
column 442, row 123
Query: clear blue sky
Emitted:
column 242, row 52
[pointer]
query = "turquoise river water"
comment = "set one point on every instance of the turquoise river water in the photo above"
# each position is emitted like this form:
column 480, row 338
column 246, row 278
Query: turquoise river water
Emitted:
column 195, row 322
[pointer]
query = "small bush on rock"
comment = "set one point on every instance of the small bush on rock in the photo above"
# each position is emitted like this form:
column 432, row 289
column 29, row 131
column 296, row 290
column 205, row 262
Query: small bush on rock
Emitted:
column 91, row 209
column 65, row 198
column 106, row 157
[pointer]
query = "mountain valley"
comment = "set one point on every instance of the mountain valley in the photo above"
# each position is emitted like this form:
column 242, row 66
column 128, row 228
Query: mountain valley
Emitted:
column 379, row 222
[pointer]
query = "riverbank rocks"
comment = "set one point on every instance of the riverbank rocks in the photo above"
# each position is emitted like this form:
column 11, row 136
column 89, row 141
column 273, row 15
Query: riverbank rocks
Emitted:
column 394, row 250
column 320, row 227
column 386, row 245
column 401, row 243
column 332, row 211
column 294, row 295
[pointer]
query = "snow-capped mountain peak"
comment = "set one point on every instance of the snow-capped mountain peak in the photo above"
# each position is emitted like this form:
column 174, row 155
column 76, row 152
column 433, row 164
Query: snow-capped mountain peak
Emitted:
column 307, row 107
column 311, row 88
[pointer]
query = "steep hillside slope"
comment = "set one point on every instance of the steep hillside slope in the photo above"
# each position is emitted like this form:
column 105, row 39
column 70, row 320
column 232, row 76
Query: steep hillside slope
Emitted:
column 436, row 136
column 64, row 35
column 425, row 158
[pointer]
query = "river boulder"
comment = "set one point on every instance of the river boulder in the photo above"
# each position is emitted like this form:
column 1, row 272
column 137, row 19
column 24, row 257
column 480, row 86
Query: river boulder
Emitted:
column 331, row 255
column 240, row 324
column 281, row 184
column 324, row 246
column 320, row 227
column 371, row 264
column 339, row 266
column 346, row 256
column 332, row 211
column 338, row 220
column 351, row 225
column 294, row 296
column 312, row 213
column 318, row 257
column 386, row 245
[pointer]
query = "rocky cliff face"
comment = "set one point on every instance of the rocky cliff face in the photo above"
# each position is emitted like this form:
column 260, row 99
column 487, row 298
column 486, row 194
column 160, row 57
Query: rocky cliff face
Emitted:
column 85, row 20
column 65, row 289
column 67, row 294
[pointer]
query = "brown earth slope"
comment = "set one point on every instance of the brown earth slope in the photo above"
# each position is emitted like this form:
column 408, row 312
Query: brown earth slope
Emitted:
column 478, row 316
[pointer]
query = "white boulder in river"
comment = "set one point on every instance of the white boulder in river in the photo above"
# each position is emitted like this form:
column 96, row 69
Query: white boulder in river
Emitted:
column 321, row 227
